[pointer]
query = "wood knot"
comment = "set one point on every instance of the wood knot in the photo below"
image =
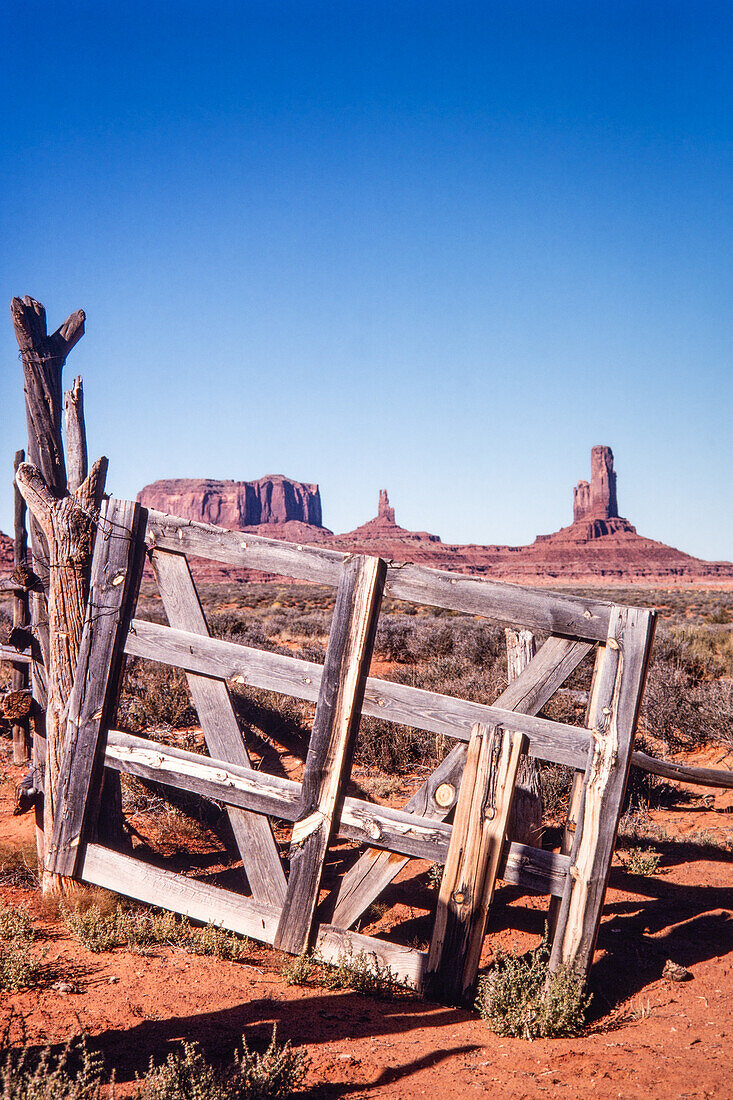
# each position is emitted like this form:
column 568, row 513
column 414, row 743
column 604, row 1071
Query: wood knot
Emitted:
column 445, row 795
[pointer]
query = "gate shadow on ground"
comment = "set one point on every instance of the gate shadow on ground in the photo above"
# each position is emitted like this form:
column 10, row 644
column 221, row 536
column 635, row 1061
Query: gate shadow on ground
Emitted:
column 665, row 920
column 308, row 1022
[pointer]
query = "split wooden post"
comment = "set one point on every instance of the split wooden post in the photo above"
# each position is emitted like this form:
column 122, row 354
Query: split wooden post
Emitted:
column 335, row 725
column 20, row 679
column 617, row 693
column 469, row 876
column 525, row 824
column 69, row 526
column 116, row 572
column 252, row 832
column 374, row 870
column 76, row 435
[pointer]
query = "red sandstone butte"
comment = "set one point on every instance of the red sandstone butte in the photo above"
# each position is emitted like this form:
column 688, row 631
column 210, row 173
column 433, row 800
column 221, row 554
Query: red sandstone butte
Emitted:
column 239, row 505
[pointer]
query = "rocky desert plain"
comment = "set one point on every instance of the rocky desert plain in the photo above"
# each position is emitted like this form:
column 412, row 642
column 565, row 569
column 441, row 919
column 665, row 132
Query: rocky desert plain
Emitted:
column 659, row 1023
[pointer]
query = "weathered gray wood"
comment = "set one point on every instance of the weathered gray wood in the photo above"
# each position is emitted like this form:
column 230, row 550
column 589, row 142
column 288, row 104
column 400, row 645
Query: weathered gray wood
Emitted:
column 683, row 773
column 135, row 879
column 17, row 656
column 223, row 736
column 615, row 705
column 525, row 824
column 76, row 436
column 477, row 842
column 20, row 677
column 269, row 794
column 512, row 604
column 336, row 722
column 407, row 964
column 210, row 904
column 531, row 607
column 69, row 526
column 394, row 830
column 534, row 869
column 116, row 572
column 374, row 870
column 400, row 703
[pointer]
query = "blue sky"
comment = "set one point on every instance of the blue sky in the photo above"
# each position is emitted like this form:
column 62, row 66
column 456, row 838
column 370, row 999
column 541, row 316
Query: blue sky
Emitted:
column 442, row 248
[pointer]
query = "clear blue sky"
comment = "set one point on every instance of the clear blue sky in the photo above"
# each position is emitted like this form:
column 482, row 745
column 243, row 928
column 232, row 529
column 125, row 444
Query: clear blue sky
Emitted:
column 442, row 248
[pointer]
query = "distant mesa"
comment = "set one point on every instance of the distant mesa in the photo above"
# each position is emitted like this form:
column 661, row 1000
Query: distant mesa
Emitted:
column 239, row 505
column 598, row 546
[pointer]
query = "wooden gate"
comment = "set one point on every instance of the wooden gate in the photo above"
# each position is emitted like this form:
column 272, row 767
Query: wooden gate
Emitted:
column 476, row 779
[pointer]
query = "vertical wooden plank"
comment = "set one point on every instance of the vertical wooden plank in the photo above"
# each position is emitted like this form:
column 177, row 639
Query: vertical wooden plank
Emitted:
column 331, row 746
column 116, row 571
column 252, row 832
column 577, row 787
column 477, row 840
column 374, row 870
column 616, row 701
column 525, row 823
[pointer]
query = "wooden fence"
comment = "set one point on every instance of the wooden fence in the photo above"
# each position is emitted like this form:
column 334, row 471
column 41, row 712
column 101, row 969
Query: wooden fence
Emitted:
column 475, row 781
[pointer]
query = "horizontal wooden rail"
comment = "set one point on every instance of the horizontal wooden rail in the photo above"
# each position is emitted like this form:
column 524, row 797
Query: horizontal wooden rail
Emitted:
column 19, row 656
column 210, row 904
column 401, row 703
column 683, row 773
column 378, row 826
column 512, row 604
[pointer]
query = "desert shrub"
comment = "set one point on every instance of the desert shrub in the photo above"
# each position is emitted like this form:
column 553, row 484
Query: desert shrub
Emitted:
column 94, row 928
column 74, row 1073
column 154, row 695
column 217, row 942
column 101, row 928
column 522, row 998
column 187, row 1075
column 15, row 923
column 392, row 642
column 362, row 974
column 643, row 861
column 299, row 969
column 20, row 966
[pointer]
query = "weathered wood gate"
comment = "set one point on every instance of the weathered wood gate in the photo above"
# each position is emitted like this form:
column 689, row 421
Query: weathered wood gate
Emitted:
column 476, row 778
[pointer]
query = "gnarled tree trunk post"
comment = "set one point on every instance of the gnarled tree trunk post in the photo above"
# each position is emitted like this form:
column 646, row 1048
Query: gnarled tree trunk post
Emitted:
column 21, row 619
column 525, row 822
column 62, row 527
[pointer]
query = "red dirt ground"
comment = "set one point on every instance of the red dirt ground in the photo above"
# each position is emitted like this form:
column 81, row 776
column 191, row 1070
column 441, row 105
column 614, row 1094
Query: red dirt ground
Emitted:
column 648, row 1036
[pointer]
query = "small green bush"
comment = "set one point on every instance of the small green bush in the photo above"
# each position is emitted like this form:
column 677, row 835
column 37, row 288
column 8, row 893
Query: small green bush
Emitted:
column 522, row 998
column 362, row 974
column 216, row 941
column 94, row 928
column 643, row 861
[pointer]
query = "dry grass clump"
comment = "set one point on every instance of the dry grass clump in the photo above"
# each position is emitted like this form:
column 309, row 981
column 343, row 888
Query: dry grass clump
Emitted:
column 276, row 1074
column 360, row 973
column 18, row 863
column 102, row 928
column 522, row 998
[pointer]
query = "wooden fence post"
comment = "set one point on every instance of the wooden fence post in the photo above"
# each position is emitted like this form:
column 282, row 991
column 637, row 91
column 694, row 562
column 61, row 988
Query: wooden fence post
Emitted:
column 525, row 823
column 62, row 526
column 21, row 618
